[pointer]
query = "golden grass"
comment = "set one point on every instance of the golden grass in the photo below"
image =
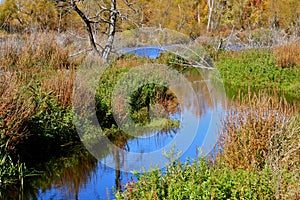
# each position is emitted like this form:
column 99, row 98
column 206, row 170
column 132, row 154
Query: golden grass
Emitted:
column 42, row 58
column 15, row 107
column 39, row 50
column 31, row 60
column 61, row 82
column 288, row 55
column 261, row 130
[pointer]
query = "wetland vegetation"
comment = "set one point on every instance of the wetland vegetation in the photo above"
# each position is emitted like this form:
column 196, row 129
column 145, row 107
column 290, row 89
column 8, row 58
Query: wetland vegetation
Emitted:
column 252, row 47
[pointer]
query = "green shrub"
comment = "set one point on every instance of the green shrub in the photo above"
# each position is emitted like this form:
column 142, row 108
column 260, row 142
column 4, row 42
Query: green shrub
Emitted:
column 199, row 180
column 104, row 93
column 139, row 101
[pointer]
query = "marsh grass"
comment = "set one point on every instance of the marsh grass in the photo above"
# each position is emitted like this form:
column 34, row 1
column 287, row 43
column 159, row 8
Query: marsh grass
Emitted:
column 261, row 130
column 32, row 60
column 258, row 70
column 61, row 83
column 36, row 85
column 15, row 108
column 248, row 128
column 288, row 55
column 44, row 58
column 38, row 50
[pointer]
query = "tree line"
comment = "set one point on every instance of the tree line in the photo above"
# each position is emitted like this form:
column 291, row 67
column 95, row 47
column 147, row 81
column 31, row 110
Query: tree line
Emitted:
column 191, row 17
column 106, row 17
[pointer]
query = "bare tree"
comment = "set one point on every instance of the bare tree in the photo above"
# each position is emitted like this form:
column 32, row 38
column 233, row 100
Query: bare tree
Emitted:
column 103, row 14
column 210, row 4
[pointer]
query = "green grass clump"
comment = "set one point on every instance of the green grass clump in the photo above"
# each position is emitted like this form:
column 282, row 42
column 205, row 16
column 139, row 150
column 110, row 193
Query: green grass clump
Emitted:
column 141, row 99
column 11, row 173
column 257, row 70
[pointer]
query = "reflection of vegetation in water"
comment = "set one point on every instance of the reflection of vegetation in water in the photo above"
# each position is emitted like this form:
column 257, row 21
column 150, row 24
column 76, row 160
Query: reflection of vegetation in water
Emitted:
column 162, row 101
column 207, row 90
column 200, row 88
column 71, row 171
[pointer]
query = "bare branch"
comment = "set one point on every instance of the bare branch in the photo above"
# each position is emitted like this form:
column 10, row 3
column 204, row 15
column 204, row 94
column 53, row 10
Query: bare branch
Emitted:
column 80, row 52
column 87, row 23
column 127, row 18
column 97, row 14
column 129, row 5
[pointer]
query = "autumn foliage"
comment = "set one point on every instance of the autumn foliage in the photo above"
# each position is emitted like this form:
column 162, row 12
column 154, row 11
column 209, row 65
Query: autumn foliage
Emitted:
column 189, row 17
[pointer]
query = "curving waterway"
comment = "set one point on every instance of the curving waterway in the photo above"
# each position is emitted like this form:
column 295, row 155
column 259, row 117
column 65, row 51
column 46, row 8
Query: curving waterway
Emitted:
column 81, row 176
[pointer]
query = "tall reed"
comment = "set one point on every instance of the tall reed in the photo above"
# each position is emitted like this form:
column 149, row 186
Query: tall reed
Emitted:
column 37, row 50
column 15, row 108
column 288, row 55
column 261, row 130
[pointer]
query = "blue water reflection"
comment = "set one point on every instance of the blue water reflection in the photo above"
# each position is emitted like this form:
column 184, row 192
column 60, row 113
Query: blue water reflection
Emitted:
column 148, row 51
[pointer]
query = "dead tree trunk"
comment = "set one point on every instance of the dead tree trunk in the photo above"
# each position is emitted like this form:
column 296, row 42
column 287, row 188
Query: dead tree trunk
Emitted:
column 102, row 14
column 112, row 30
column 87, row 24
column 210, row 4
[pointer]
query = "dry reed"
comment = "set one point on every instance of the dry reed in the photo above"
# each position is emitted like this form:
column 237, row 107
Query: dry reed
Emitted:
column 288, row 55
column 261, row 130
column 42, row 58
column 15, row 107
column 39, row 50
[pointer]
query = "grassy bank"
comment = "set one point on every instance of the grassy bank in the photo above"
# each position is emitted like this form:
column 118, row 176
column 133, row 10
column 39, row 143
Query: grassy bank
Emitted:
column 276, row 70
column 36, row 114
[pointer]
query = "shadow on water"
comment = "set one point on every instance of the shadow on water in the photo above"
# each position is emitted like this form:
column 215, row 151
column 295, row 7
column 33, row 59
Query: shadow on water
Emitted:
column 80, row 176
column 67, row 174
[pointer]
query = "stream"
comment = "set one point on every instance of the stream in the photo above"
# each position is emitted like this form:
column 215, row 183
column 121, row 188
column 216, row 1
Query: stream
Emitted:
column 81, row 176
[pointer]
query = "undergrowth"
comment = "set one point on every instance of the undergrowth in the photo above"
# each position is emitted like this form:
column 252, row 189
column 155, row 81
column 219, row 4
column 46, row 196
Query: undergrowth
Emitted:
column 199, row 180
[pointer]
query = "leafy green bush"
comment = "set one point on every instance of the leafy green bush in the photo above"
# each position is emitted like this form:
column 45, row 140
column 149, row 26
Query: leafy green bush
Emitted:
column 104, row 93
column 200, row 180
column 139, row 101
